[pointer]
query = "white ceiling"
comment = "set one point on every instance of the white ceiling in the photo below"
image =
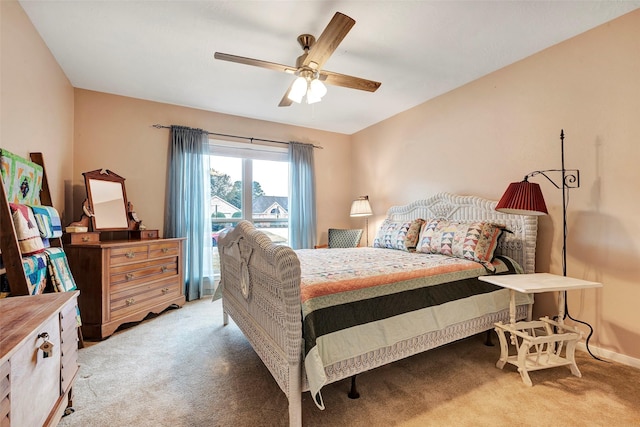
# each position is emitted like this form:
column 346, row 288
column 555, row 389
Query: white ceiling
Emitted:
column 163, row 50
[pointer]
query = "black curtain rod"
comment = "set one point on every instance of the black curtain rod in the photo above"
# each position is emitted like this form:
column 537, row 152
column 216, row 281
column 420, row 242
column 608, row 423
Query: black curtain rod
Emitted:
column 239, row 137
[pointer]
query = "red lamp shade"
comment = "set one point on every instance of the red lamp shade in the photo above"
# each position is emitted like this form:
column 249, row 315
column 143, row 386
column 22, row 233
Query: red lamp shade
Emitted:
column 522, row 198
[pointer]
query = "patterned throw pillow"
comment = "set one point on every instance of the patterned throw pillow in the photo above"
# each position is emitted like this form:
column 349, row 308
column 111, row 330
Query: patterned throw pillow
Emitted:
column 401, row 235
column 475, row 241
column 413, row 234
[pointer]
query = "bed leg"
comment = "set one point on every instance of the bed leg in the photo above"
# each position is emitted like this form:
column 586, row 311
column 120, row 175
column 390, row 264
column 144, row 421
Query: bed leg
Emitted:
column 225, row 318
column 295, row 395
column 353, row 393
column 488, row 341
column 295, row 410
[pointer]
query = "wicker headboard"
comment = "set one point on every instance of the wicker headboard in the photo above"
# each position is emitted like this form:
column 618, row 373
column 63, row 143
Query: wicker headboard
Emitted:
column 519, row 245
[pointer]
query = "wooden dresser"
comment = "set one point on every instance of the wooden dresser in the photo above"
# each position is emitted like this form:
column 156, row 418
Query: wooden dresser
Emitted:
column 35, row 390
column 122, row 281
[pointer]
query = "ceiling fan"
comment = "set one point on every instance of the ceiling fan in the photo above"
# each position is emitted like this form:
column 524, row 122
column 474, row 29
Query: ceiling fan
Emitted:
column 309, row 65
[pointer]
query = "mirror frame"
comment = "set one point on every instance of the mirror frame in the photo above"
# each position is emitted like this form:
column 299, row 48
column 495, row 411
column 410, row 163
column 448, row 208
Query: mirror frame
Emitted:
column 105, row 175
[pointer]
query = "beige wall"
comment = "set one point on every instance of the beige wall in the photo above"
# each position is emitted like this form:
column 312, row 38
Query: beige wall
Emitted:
column 480, row 137
column 114, row 132
column 36, row 101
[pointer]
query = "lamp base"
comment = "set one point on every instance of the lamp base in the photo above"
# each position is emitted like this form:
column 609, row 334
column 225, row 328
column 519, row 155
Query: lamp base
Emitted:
column 366, row 229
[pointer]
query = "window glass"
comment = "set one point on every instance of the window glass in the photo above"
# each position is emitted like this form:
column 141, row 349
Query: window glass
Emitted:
column 270, row 199
column 225, row 179
column 249, row 181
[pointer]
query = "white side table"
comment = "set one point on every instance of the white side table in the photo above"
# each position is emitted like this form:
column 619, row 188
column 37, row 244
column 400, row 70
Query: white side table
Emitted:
column 539, row 347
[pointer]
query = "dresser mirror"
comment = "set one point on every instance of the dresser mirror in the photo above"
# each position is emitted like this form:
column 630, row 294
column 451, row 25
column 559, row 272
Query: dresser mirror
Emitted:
column 107, row 200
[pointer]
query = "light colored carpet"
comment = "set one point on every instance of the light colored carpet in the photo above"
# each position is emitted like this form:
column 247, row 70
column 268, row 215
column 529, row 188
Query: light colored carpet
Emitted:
column 183, row 368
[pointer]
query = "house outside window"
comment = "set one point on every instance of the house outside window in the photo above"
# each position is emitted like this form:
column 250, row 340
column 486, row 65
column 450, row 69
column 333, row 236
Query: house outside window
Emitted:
column 249, row 181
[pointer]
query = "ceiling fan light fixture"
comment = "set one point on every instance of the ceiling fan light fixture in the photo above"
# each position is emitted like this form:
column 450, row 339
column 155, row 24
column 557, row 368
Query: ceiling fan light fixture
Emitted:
column 298, row 89
column 307, row 86
column 317, row 88
column 311, row 98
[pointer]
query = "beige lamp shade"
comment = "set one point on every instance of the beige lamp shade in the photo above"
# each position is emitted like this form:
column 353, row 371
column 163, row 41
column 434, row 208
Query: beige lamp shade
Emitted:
column 361, row 207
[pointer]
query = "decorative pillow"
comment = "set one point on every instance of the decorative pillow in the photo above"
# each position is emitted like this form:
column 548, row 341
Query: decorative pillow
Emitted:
column 413, row 234
column 22, row 178
column 475, row 241
column 401, row 235
column 27, row 231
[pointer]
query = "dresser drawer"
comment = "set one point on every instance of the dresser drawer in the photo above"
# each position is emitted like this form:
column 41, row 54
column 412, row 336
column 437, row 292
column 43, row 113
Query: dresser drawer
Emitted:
column 68, row 372
column 69, row 345
column 68, row 363
column 136, row 298
column 162, row 249
column 86, row 237
column 128, row 254
column 143, row 234
column 69, row 330
column 127, row 275
column 69, row 318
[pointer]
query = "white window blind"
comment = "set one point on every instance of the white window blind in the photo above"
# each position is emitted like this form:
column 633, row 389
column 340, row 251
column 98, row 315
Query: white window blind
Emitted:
column 245, row 150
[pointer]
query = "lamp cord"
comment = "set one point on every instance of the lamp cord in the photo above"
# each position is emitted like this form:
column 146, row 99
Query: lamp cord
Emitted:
column 564, row 270
column 566, row 314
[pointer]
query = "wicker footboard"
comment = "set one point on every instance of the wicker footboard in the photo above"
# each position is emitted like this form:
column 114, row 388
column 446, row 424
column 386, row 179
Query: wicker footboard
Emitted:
column 261, row 292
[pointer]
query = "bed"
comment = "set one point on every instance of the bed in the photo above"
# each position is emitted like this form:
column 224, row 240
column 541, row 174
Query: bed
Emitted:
column 305, row 312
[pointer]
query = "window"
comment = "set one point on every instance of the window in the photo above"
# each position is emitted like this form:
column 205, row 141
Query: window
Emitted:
column 249, row 181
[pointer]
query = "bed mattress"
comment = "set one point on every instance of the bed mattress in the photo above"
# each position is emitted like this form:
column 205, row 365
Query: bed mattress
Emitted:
column 357, row 300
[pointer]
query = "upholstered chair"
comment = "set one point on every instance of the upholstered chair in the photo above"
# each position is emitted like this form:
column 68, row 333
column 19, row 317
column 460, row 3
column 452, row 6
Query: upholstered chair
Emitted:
column 341, row 238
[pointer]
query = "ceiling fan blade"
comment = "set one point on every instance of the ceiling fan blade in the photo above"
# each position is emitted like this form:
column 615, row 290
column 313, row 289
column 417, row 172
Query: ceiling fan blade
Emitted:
column 285, row 101
column 328, row 41
column 336, row 79
column 255, row 62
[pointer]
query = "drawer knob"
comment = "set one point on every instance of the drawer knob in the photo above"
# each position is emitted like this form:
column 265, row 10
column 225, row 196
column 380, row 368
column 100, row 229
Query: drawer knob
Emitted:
column 130, row 301
column 165, row 250
column 165, row 291
column 129, row 276
column 164, row 269
column 85, row 238
column 130, row 254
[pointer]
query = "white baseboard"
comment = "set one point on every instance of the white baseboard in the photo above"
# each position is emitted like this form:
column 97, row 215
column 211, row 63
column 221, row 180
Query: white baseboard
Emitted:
column 610, row 355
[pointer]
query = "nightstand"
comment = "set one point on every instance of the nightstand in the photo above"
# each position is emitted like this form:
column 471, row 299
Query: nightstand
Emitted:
column 539, row 345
